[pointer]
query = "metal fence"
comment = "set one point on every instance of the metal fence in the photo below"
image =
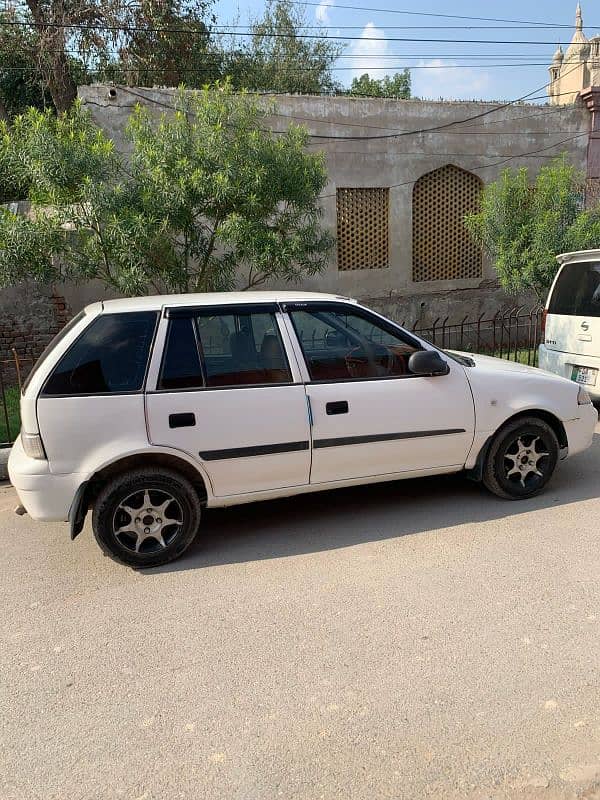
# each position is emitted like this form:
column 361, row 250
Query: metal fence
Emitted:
column 12, row 374
column 513, row 334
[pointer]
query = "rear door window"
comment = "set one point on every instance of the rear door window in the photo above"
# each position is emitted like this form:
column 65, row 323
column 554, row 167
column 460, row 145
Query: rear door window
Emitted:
column 577, row 290
column 242, row 349
column 110, row 357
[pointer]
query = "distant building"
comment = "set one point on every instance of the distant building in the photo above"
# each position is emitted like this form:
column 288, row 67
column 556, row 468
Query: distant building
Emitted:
column 575, row 70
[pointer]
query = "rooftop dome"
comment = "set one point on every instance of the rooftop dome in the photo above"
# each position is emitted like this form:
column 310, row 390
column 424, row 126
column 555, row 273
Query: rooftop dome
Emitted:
column 579, row 44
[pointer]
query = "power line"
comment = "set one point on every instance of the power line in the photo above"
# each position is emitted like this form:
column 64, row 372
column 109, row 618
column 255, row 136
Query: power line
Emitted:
column 288, row 70
column 412, row 13
column 485, row 166
column 276, row 35
column 377, row 137
column 431, row 14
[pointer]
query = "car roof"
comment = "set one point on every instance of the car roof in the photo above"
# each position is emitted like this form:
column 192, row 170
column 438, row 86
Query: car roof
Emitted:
column 579, row 255
column 156, row 302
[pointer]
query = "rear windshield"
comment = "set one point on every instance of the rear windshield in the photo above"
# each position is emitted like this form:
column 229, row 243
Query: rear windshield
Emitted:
column 58, row 338
column 577, row 290
column 110, row 357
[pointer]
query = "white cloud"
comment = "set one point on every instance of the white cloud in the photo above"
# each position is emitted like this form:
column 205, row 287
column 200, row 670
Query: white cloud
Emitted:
column 446, row 79
column 368, row 54
column 322, row 11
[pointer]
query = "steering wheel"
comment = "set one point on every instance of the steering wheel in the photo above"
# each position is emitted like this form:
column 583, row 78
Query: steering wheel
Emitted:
column 374, row 361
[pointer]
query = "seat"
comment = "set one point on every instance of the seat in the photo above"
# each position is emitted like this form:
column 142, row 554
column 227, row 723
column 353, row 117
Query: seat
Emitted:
column 243, row 352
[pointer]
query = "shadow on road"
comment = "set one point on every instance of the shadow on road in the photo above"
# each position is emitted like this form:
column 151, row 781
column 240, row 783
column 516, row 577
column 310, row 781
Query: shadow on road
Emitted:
column 345, row 517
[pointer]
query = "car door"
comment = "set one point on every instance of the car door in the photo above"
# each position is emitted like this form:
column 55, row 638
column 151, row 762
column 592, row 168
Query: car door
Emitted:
column 227, row 394
column 370, row 415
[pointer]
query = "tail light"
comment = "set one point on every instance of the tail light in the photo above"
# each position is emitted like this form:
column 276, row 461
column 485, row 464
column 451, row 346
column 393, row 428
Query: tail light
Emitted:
column 544, row 315
column 33, row 446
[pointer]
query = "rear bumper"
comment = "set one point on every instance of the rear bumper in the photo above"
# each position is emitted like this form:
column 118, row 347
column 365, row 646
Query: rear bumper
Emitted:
column 562, row 364
column 45, row 497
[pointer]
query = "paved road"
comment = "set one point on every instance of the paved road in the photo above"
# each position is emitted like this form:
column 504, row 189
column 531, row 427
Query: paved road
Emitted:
column 412, row 640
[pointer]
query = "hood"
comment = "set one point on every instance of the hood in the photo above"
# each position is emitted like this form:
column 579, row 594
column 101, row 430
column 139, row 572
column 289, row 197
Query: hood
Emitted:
column 490, row 364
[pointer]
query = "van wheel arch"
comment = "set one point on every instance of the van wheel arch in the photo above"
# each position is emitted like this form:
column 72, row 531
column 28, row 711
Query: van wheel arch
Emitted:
column 89, row 491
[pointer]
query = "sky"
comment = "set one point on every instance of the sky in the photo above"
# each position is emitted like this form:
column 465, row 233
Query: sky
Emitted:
column 452, row 69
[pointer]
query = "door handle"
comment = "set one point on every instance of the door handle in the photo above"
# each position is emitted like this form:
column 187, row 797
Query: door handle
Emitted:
column 339, row 407
column 187, row 420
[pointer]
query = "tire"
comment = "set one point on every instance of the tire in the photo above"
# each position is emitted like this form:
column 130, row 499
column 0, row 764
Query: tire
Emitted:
column 147, row 517
column 521, row 459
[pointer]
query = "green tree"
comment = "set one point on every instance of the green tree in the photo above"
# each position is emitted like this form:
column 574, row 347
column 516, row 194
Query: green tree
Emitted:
column 206, row 200
column 168, row 44
column 522, row 225
column 397, row 86
column 21, row 83
column 276, row 58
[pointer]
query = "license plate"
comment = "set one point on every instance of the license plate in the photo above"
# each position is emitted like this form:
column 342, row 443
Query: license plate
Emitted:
column 584, row 375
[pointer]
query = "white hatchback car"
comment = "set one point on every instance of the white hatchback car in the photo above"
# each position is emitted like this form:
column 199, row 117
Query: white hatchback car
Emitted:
column 145, row 410
column 571, row 327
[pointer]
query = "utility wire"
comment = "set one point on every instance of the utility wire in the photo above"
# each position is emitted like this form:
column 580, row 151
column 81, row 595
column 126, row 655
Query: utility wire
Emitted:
column 379, row 137
column 485, row 166
column 321, row 36
column 431, row 14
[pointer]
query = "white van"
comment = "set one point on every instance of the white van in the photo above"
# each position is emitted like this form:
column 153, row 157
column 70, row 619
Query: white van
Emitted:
column 571, row 322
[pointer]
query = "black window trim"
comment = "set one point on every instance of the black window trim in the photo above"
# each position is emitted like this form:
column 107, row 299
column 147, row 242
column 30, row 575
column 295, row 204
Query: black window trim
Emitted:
column 193, row 312
column 141, row 390
column 163, row 356
column 365, row 313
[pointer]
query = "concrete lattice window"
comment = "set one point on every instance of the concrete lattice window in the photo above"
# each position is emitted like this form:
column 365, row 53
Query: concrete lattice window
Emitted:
column 362, row 228
column 442, row 247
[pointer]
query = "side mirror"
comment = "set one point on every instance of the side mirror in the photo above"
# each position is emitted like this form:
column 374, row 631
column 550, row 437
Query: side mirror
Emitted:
column 427, row 362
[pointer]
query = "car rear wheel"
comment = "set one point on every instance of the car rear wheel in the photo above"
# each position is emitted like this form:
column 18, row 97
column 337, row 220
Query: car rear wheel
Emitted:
column 521, row 459
column 146, row 518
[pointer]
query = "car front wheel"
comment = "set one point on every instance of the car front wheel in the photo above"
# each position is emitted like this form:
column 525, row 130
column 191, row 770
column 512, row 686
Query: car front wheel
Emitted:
column 521, row 459
column 147, row 517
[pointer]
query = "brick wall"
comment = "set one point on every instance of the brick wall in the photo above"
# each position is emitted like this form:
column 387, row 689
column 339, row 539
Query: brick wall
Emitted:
column 28, row 323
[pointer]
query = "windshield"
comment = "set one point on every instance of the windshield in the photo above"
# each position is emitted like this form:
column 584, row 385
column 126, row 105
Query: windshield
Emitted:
column 577, row 290
column 59, row 336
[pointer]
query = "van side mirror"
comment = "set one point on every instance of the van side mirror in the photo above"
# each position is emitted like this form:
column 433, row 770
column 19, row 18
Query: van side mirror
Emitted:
column 427, row 362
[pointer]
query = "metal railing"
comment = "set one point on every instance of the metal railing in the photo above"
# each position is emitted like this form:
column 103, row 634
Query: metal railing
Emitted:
column 12, row 374
column 513, row 334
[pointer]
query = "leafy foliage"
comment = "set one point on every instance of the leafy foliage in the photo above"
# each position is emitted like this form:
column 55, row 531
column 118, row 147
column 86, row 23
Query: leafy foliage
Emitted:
column 397, row 86
column 205, row 197
column 277, row 59
column 522, row 226
column 167, row 44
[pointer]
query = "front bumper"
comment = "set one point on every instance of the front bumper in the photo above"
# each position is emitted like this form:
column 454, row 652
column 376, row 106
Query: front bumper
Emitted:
column 580, row 431
column 45, row 497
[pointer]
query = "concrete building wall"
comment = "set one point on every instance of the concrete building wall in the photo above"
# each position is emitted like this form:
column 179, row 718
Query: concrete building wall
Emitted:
column 492, row 140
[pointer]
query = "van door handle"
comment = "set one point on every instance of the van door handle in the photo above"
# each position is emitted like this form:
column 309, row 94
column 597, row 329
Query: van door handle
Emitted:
column 339, row 407
column 187, row 420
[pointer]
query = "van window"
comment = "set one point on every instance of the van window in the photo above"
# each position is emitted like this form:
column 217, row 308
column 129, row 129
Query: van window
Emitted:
column 110, row 356
column 577, row 290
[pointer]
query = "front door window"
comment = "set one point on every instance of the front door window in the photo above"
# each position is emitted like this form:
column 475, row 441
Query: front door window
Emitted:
column 342, row 344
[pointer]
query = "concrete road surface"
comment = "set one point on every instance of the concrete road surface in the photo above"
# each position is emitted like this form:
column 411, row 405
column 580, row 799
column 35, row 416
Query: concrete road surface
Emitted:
column 410, row 640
